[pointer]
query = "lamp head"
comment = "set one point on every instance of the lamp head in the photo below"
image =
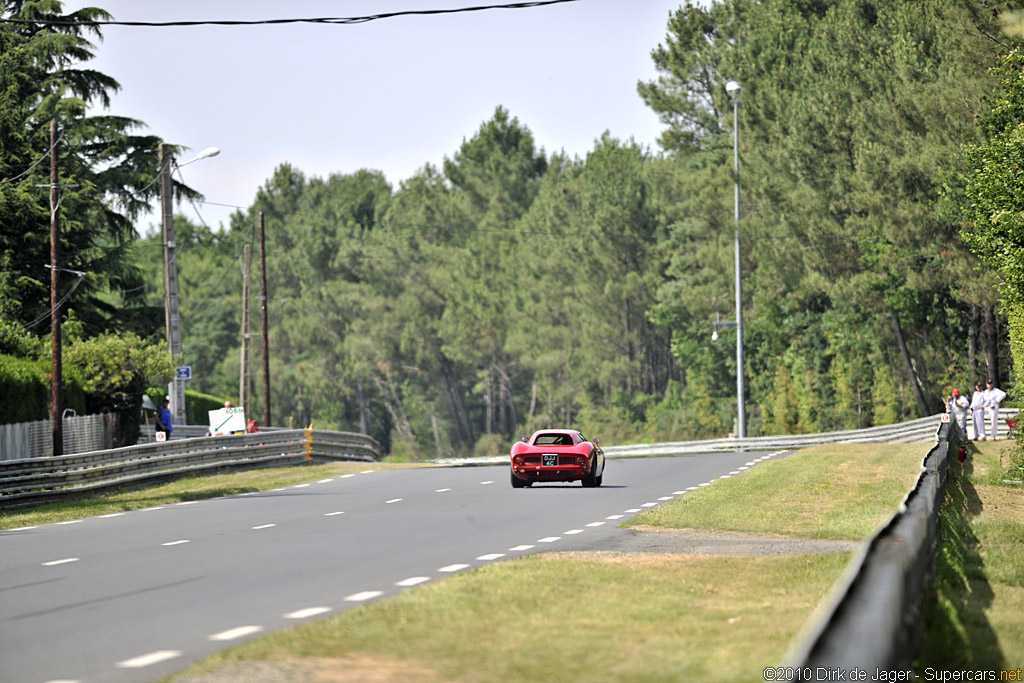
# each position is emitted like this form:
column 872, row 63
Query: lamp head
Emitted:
column 733, row 88
column 714, row 335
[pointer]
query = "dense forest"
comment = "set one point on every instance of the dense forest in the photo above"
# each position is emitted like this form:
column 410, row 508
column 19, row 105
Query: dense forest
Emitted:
column 512, row 288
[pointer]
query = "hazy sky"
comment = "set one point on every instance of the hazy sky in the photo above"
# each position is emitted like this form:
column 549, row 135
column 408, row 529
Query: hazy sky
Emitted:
column 391, row 94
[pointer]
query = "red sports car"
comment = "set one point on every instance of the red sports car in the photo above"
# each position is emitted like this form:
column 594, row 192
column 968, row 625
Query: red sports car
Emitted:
column 557, row 455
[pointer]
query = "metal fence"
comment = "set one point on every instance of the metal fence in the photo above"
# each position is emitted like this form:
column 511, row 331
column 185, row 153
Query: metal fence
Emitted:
column 35, row 439
column 876, row 619
column 37, row 480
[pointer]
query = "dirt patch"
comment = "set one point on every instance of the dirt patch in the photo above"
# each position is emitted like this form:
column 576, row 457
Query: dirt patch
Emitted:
column 360, row 668
column 650, row 539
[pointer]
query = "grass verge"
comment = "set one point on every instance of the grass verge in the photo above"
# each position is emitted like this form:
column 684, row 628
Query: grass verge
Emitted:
column 555, row 618
column 973, row 622
column 595, row 617
column 840, row 492
column 181, row 490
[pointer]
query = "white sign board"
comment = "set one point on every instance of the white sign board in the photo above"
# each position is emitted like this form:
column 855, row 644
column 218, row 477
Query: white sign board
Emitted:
column 227, row 421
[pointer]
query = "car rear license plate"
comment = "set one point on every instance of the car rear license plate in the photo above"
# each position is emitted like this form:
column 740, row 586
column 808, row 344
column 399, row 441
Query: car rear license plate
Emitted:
column 549, row 459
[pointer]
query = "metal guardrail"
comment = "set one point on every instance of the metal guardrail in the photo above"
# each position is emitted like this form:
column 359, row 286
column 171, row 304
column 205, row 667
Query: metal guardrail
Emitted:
column 876, row 618
column 921, row 429
column 36, row 480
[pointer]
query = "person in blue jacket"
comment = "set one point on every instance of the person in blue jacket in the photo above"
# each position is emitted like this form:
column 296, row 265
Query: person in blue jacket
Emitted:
column 163, row 418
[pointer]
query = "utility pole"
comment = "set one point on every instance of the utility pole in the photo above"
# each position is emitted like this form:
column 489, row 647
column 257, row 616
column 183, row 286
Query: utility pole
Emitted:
column 176, row 389
column 266, row 339
column 57, row 369
column 243, row 375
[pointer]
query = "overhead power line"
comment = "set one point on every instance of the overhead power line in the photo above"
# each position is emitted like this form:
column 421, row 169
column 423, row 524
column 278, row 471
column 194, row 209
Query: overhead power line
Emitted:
column 309, row 20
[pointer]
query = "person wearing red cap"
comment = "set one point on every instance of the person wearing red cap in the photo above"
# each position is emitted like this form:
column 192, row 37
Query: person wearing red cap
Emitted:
column 960, row 404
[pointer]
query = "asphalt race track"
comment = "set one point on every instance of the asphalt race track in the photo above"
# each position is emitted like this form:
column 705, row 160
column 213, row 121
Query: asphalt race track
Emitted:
column 138, row 595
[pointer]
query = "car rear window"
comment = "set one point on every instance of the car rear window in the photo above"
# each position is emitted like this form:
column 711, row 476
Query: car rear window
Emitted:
column 553, row 440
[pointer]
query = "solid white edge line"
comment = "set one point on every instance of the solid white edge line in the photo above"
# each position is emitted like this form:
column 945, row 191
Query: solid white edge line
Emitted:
column 306, row 613
column 235, row 633
column 148, row 659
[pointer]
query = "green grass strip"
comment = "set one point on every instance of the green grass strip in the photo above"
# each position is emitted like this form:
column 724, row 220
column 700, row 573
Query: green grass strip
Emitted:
column 974, row 619
column 840, row 492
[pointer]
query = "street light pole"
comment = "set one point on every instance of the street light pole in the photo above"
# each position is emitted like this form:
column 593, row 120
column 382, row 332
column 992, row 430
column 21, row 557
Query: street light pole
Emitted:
column 171, row 310
column 733, row 88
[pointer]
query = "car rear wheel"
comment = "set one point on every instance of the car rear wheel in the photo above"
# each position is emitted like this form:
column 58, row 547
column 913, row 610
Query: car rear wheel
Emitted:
column 590, row 479
column 517, row 483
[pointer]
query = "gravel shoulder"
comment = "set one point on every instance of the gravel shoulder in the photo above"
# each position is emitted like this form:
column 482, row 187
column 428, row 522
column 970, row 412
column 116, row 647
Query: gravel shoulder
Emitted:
column 650, row 539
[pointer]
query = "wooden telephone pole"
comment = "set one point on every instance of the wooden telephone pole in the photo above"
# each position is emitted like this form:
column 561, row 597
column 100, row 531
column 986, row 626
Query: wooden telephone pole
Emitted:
column 244, row 382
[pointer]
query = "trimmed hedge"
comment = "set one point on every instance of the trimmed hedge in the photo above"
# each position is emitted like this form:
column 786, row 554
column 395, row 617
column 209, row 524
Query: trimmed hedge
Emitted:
column 27, row 383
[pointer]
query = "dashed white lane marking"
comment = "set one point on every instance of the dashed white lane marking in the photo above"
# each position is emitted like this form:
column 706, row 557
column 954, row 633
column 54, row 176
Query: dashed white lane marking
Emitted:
column 393, row 500
column 520, row 548
column 572, row 532
column 112, row 514
column 743, row 468
column 149, row 660
column 186, row 502
column 725, row 476
column 707, row 483
column 491, row 556
column 633, row 510
column 665, row 498
column 235, row 633
column 734, row 472
column 158, row 507
column 306, row 613
column 364, row 596
column 64, row 680
column 54, row 563
column 615, row 516
column 442, row 490
column 453, row 568
column 176, row 542
column 413, row 581
column 300, row 486
column 485, row 483
column 25, row 528
column 325, row 481
column 263, row 526
column 596, row 524
column 332, row 514
column 367, row 471
column 678, row 493
column 346, row 476
column 72, row 521
column 648, row 505
column 549, row 539
column 692, row 488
